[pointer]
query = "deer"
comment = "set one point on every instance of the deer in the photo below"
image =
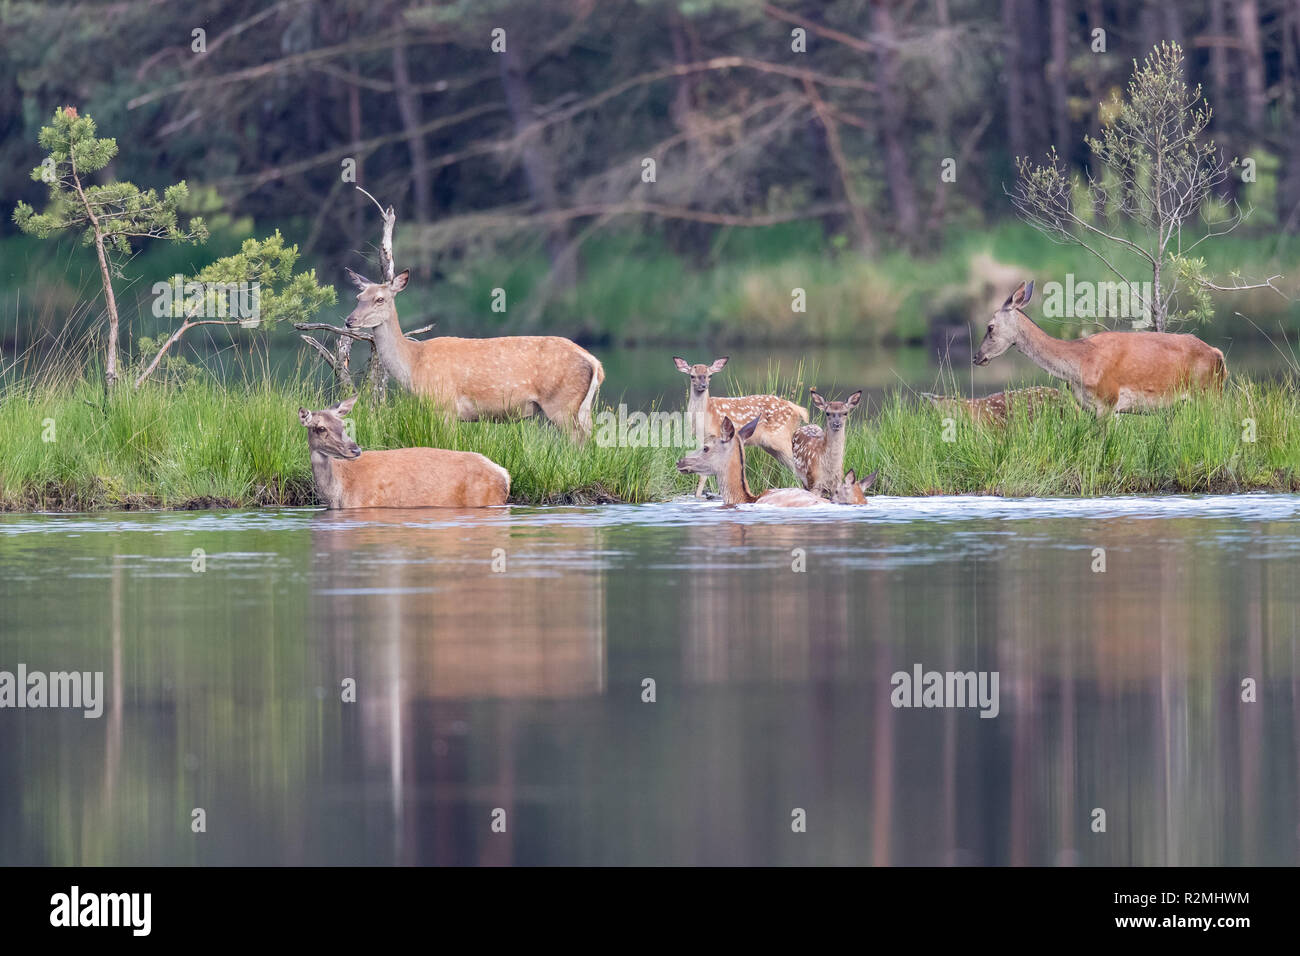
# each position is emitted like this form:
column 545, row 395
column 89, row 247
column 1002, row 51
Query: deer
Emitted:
column 851, row 491
column 994, row 409
column 818, row 454
column 1111, row 371
column 482, row 379
column 723, row 456
column 347, row 477
column 777, row 418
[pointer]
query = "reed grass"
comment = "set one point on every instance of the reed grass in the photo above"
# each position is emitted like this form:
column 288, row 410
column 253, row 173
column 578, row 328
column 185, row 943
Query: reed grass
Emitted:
column 64, row 446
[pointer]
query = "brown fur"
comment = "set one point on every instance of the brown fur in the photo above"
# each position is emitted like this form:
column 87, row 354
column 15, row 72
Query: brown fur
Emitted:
column 993, row 409
column 850, row 491
column 488, row 379
column 818, row 453
column 347, row 477
column 723, row 456
column 1111, row 371
column 778, row 419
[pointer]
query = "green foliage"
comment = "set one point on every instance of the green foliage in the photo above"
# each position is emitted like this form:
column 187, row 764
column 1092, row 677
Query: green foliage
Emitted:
column 1193, row 273
column 115, row 212
column 284, row 296
column 173, row 368
column 1155, row 176
column 1153, row 144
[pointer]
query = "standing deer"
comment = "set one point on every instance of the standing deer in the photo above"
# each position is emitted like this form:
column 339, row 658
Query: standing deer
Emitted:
column 347, row 477
column 850, row 491
column 777, row 418
column 723, row 456
column 819, row 455
column 1110, row 371
column 482, row 378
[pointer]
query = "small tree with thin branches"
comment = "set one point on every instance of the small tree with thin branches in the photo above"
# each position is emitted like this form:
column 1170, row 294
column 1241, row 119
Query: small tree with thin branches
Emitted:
column 111, row 215
column 1155, row 171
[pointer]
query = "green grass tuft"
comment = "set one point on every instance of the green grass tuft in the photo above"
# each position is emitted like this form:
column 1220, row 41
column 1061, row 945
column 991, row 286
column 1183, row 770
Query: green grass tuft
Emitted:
column 203, row 445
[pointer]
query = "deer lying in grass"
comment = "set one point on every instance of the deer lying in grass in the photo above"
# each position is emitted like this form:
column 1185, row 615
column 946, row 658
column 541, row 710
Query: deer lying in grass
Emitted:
column 723, row 456
column 1110, row 371
column 482, row 378
column 994, row 409
column 850, row 491
column 777, row 418
column 347, row 477
column 818, row 454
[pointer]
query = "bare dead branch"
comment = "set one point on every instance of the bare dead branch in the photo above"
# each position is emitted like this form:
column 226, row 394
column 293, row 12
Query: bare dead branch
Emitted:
column 340, row 374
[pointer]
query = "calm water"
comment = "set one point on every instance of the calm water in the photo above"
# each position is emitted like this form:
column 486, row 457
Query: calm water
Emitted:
column 522, row 689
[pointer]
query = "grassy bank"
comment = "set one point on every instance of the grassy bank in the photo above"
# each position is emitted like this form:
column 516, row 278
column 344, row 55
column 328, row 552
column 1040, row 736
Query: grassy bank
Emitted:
column 207, row 446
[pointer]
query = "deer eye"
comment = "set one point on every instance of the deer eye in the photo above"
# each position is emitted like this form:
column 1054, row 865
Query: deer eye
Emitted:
column 990, row 326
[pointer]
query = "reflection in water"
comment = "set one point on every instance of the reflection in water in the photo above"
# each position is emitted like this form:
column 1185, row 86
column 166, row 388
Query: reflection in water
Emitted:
column 499, row 661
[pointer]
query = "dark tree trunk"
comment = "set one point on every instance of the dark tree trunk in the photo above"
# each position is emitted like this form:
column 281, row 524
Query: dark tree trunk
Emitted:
column 1252, row 61
column 1059, row 74
column 539, row 170
column 1015, row 88
column 897, row 167
column 408, row 108
column 1288, row 191
column 1224, row 135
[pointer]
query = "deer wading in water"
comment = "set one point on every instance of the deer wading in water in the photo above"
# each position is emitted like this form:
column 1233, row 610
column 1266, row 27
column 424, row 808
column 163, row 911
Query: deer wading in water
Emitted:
column 723, row 456
column 777, row 418
column 818, row 453
column 347, row 477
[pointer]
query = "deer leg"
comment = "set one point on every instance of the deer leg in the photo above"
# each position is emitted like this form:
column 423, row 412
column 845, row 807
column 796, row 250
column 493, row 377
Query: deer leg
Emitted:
column 699, row 489
column 562, row 417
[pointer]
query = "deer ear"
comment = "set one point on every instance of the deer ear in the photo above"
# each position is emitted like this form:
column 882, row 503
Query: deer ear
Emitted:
column 717, row 365
column 399, row 281
column 345, row 406
column 682, row 364
column 870, row 480
column 728, row 429
column 358, row 280
column 1029, row 293
column 749, row 429
column 817, row 399
column 304, row 416
column 853, row 399
column 850, row 477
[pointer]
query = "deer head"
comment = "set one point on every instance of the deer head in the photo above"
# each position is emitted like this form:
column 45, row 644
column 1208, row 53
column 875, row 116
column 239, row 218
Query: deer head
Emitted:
column 854, row 492
column 1004, row 327
column 700, row 374
column 375, row 300
column 325, row 432
column 714, row 455
column 836, row 412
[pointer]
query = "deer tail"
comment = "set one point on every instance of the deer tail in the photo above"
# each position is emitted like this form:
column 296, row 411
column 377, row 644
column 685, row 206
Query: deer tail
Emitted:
column 584, row 410
column 1220, row 371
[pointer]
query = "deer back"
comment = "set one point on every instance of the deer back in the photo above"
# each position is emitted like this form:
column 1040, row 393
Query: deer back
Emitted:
column 421, row 478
